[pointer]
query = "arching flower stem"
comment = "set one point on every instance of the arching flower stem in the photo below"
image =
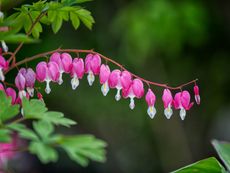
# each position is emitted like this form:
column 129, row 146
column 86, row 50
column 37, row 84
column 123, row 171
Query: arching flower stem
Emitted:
column 148, row 83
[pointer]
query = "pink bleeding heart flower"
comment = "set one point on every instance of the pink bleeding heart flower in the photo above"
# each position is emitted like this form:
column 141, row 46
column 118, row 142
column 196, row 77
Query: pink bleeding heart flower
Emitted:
column 92, row 67
column 20, row 82
column 182, row 102
column 136, row 90
column 30, row 77
column 104, row 78
column 77, row 71
column 168, row 101
column 64, row 62
column 4, row 65
column 119, row 80
column 10, row 92
column 197, row 94
column 150, row 98
column 47, row 73
column 7, row 151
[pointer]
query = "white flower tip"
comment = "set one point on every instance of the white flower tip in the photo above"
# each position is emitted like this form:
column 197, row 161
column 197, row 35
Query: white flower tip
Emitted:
column 60, row 80
column 74, row 83
column 132, row 104
column 90, row 78
column 168, row 112
column 22, row 94
column 22, row 112
column 48, row 89
column 182, row 113
column 2, row 76
column 30, row 91
column 151, row 111
column 197, row 98
column 105, row 88
column 4, row 46
column 118, row 95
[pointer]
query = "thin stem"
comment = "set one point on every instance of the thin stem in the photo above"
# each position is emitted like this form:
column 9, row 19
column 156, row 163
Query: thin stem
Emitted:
column 105, row 58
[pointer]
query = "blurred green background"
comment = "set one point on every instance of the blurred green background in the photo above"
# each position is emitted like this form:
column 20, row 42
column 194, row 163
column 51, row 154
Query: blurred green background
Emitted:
column 163, row 41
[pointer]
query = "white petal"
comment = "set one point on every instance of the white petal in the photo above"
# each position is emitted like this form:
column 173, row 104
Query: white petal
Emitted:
column 2, row 77
column 30, row 91
column 197, row 98
column 48, row 89
column 74, row 83
column 22, row 94
column 132, row 104
column 182, row 113
column 4, row 46
column 168, row 112
column 60, row 80
column 105, row 88
column 118, row 95
column 151, row 111
column 90, row 78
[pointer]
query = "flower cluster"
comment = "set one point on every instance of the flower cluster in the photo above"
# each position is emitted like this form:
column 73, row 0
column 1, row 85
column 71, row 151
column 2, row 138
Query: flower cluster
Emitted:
column 122, row 80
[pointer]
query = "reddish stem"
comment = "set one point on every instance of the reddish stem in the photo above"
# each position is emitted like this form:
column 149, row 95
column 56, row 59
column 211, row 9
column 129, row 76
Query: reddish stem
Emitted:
column 105, row 58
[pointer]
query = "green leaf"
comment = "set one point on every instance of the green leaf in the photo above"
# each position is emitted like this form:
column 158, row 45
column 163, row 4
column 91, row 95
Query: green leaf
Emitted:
column 23, row 131
column 58, row 118
column 57, row 23
column 86, row 17
column 5, row 135
column 81, row 148
column 37, row 30
column 44, row 152
column 210, row 165
column 43, row 128
column 75, row 20
column 223, row 150
column 33, row 108
column 7, row 111
column 18, row 38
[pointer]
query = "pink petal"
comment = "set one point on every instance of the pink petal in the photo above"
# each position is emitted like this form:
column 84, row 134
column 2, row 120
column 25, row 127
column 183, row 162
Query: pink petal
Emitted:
column 150, row 98
column 56, row 57
column 104, row 73
column 53, row 71
column 196, row 90
column 41, row 71
column 1, row 87
column 167, row 98
column 66, row 62
column 11, row 93
column 3, row 63
column 126, row 80
column 177, row 101
column 95, row 64
column 185, row 100
column 77, row 67
column 114, row 78
column 138, row 88
column 30, row 77
column 20, row 81
column 88, row 60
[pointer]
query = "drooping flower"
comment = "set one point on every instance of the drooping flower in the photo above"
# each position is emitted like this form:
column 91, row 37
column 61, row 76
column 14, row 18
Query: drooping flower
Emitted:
column 47, row 73
column 77, row 71
column 7, row 151
column 10, row 92
column 30, row 78
column 168, row 101
column 104, row 78
column 136, row 89
column 119, row 80
column 64, row 62
column 4, row 65
column 20, row 82
column 92, row 67
column 197, row 94
column 39, row 96
column 182, row 102
column 4, row 46
column 150, row 98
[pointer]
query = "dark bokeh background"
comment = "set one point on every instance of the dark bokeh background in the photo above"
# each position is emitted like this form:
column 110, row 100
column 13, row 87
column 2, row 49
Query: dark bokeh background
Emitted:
column 163, row 41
